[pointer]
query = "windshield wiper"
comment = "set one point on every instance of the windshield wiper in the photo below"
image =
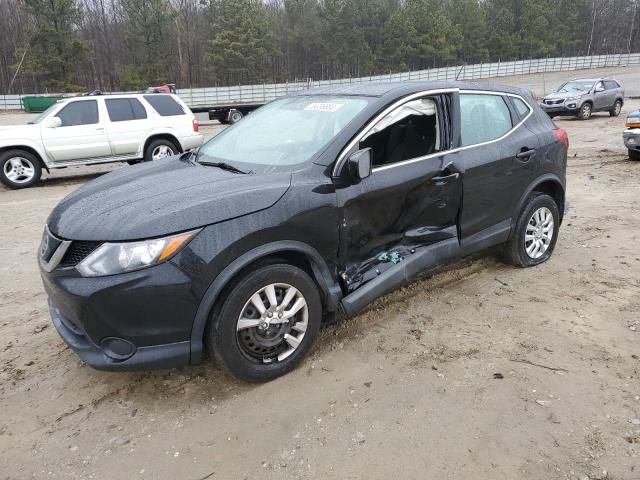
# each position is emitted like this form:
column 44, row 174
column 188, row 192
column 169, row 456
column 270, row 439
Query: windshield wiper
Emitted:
column 226, row 166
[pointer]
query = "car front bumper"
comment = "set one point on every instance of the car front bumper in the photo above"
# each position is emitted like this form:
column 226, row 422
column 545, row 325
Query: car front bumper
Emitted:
column 566, row 108
column 632, row 139
column 134, row 321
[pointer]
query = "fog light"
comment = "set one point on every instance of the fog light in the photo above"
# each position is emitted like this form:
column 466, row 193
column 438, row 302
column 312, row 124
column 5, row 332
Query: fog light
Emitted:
column 117, row 348
column 572, row 105
column 631, row 141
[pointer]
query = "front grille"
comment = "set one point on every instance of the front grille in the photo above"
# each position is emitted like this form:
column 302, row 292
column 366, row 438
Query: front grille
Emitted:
column 77, row 252
column 553, row 102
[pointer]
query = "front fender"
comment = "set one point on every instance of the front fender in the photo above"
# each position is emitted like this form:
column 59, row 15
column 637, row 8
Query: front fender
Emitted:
column 10, row 143
column 331, row 290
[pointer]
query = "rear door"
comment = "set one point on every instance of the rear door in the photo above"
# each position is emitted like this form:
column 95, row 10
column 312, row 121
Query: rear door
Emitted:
column 128, row 124
column 500, row 160
column 602, row 100
column 82, row 134
column 413, row 194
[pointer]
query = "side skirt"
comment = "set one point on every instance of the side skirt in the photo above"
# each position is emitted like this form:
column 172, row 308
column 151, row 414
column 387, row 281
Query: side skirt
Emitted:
column 423, row 261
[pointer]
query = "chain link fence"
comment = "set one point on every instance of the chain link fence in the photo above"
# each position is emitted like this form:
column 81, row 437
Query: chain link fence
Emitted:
column 208, row 97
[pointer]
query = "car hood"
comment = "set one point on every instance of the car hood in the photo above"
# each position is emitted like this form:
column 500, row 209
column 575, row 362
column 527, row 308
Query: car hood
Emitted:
column 563, row 95
column 162, row 197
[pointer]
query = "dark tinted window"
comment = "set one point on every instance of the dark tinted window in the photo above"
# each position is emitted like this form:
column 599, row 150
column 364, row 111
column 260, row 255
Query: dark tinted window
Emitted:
column 611, row 85
column 521, row 107
column 79, row 113
column 410, row 131
column 123, row 109
column 165, row 105
column 483, row 118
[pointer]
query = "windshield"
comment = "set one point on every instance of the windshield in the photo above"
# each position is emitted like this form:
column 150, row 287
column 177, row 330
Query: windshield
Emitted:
column 285, row 132
column 576, row 86
column 44, row 114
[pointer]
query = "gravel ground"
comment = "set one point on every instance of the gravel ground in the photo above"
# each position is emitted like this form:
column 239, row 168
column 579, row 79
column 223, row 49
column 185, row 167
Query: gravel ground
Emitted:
column 480, row 371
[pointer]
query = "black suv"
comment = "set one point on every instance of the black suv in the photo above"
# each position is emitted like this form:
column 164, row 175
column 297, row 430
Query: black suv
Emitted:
column 314, row 203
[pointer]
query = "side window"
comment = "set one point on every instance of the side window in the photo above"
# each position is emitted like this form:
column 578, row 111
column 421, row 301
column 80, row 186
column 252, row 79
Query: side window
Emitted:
column 79, row 113
column 611, row 85
column 483, row 118
column 410, row 131
column 599, row 86
column 521, row 107
column 124, row 109
column 165, row 105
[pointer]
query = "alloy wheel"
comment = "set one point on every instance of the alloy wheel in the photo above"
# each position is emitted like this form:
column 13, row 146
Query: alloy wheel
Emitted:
column 539, row 233
column 272, row 323
column 19, row 170
column 162, row 151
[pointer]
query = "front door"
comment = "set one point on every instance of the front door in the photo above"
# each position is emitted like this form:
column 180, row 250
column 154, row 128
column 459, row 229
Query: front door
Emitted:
column 601, row 99
column 81, row 136
column 413, row 195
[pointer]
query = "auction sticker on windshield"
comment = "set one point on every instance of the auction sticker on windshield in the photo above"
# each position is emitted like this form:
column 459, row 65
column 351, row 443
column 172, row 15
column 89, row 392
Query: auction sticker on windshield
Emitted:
column 324, row 107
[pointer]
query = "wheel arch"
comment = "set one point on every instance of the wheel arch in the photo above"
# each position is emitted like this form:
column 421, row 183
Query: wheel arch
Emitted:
column 29, row 149
column 294, row 252
column 162, row 136
column 548, row 184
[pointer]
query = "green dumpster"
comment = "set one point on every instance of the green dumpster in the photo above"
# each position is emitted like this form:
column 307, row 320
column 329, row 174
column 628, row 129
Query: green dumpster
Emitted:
column 38, row 104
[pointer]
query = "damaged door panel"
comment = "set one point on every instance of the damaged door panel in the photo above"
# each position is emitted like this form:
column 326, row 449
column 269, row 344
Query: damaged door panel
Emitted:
column 412, row 199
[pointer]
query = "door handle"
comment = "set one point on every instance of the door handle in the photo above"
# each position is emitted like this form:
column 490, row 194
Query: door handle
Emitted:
column 100, row 129
column 526, row 154
column 446, row 179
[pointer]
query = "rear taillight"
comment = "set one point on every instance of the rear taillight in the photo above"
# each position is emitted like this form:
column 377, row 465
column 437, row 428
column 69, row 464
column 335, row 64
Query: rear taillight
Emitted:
column 563, row 136
column 196, row 126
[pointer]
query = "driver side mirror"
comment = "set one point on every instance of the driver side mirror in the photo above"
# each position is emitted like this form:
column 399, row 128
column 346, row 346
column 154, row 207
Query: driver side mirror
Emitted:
column 360, row 164
column 53, row 122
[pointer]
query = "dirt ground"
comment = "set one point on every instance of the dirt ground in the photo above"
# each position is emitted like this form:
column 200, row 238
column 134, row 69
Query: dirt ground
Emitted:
column 481, row 371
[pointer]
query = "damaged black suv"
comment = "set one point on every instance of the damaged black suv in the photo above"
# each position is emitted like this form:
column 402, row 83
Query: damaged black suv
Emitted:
column 315, row 203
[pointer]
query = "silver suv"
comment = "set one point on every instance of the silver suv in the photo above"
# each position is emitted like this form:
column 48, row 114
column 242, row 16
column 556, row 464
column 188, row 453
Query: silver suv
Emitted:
column 582, row 97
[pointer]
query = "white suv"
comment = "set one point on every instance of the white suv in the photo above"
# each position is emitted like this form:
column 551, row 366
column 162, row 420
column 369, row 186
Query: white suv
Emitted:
column 97, row 129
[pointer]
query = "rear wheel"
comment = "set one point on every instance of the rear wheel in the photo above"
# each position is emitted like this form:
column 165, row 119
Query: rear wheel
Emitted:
column 235, row 116
column 266, row 324
column 617, row 108
column 159, row 149
column 634, row 154
column 536, row 232
column 19, row 169
column 585, row 112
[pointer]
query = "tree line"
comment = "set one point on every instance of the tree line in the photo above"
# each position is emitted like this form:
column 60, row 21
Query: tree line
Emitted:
column 76, row 45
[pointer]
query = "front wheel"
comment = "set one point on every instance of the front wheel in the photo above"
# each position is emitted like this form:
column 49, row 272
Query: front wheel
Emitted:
column 266, row 323
column 585, row 112
column 19, row 169
column 617, row 108
column 634, row 154
column 536, row 232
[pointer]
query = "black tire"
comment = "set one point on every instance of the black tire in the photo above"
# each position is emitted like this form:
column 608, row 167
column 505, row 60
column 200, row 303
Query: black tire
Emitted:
column 235, row 116
column 617, row 108
column 634, row 155
column 157, row 144
column 134, row 162
column 585, row 111
column 18, row 164
column 515, row 251
column 236, row 351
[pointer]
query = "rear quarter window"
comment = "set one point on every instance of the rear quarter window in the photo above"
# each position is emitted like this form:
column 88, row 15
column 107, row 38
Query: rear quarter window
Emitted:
column 521, row 107
column 483, row 118
column 165, row 105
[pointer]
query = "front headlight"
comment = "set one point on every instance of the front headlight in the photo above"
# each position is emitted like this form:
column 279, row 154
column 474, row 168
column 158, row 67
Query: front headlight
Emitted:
column 112, row 258
column 633, row 122
column 579, row 97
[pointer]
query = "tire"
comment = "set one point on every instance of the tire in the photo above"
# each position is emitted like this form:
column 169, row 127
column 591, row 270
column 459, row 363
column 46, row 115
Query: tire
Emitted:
column 530, row 228
column 255, row 349
column 235, row 117
column 19, row 169
column 585, row 111
column 634, row 155
column 617, row 108
column 160, row 148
